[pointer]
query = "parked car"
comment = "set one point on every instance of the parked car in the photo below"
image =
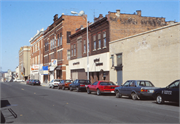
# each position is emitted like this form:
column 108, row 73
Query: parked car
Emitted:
column 135, row 89
column 101, row 87
column 34, row 82
column 79, row 84
column 169, row 93
column 28, row 81
column 54, row 83
column 63, row 84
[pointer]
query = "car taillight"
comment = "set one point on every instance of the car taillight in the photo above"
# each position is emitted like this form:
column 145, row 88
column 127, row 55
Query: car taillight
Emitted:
column 82, row 85
column 144, row 90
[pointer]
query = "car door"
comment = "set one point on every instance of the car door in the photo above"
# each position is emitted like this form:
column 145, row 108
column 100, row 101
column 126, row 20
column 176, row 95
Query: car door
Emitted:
column 93, row 86
column 171, row 93
column 74, row 84
column 124, row 88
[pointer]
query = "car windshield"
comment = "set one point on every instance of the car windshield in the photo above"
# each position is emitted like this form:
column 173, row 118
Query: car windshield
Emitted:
column 68, row 81
column 56, row 80
column 107, row 83
column 145, row 83
column 84, row 81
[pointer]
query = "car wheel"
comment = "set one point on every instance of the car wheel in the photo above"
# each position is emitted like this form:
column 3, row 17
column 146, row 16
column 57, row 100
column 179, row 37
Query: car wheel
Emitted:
column 77, row 88
column 88, row 91
column 134, row 96
column 63, row 88
column 71, row 89
column 98, row 92
column 159, row 99
column 118, row 95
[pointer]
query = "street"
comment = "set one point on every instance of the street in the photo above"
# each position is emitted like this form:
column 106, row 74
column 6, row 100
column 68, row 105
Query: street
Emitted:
column 21, row 103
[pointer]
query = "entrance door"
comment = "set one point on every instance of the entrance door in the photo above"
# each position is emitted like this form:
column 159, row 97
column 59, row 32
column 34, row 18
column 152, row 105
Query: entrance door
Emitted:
column 119, row 77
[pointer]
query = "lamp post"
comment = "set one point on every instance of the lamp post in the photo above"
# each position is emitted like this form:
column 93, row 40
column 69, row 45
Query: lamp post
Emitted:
column 81, row 13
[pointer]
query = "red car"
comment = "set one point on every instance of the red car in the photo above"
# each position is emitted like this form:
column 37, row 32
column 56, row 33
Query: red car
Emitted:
column 101, row 87
column 64, row 84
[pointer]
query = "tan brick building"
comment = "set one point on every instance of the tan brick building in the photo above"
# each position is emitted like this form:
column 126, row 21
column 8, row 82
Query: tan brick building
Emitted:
column 36, row 55
column 152, row 55
column 57, row 45
column 24, row 63
column 113, row 26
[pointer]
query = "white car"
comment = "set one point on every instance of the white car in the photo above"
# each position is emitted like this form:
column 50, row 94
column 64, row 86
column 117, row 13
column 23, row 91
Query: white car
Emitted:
column 54, row 83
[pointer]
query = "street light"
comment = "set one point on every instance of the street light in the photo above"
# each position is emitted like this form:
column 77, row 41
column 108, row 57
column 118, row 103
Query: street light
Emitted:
column 81, row 13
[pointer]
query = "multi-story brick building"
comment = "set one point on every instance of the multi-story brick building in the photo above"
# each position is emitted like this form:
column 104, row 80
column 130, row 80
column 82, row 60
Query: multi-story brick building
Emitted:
column 114, row 25
column 36, row 55
column 57, row 45
column 24, row 62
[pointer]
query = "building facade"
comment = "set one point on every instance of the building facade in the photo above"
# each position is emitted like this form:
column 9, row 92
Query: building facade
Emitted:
column 57, row 45
column 152, row 55
column 36, row 56
column 103, row 30
column 24, row 62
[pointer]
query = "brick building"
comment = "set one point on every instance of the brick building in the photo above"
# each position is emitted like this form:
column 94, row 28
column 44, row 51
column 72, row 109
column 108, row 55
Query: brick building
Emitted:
column 57, row 45
column 24, row 62
column 36, row 55
column 114, row 25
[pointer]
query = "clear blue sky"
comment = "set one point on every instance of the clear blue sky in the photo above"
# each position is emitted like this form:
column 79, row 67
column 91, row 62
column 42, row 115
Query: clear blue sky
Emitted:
column 20, row 19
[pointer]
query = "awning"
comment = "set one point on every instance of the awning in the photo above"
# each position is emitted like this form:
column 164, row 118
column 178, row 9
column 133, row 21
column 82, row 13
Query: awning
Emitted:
column 59, row 67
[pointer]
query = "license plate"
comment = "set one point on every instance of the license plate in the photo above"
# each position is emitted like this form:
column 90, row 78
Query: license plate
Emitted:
column 151, row 91
column 112, row 91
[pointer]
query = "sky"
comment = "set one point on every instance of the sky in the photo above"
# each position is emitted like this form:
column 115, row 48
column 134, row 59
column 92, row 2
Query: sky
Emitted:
column 20, row 19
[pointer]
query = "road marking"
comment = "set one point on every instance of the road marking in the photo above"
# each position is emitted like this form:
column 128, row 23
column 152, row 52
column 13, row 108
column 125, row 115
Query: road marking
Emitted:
column 22, row 89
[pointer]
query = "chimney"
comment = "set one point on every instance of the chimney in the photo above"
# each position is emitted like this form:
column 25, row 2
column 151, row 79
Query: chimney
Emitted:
column 55, row 17
column 118, row 12
column 138, row 12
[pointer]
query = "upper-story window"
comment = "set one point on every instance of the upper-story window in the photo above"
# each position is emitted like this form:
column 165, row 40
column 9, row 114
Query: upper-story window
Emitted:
column 104, row 39
column 74, row 49
column 68, row 54
column 58, row 40
column 94, row 39
column 84, row 46
column 68, row 35
column 119, row 59
column 99, row 41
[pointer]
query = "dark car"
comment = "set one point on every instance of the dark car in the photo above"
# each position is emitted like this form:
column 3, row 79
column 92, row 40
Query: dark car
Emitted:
column 79, row 84
column 169, row 93
column 101, row 87
column 35, row 82
column 135, row 89
column 63, row 84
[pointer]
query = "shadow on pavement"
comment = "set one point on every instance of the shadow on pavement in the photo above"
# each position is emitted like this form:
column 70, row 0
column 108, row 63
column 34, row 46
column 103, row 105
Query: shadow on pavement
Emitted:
column 9, row 113
column 169, row 103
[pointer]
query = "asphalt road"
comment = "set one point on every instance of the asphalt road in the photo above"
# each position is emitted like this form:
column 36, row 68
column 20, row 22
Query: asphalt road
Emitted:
column 22, row 103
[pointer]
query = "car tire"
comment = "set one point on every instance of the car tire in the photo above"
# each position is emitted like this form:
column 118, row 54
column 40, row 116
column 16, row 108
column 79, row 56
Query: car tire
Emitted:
column 134, row 96
column 159, row 99
column 88, row 91
column 77, row 88
column 118, row 95
column 70, row 89
column 98, row 92
column 63, row 88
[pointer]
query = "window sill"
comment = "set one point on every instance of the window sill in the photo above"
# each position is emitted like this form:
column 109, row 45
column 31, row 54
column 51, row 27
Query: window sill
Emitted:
column 99, row 48
column 104, row 47
column 94, row 50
